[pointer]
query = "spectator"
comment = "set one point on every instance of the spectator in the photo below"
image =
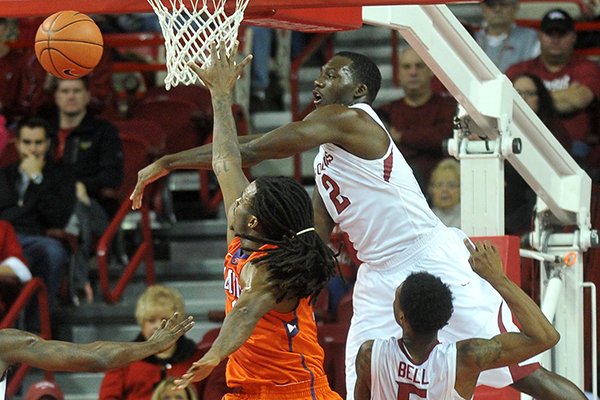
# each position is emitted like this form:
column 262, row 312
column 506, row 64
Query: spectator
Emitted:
column 573, row 81
column 501, row 39
column 444, row 191
column 92, row 148
column 44, row 390
column 519, row 198
column 534, row 92
column 13, row 271
column 36, row 195
column 20, row 75
column 265, row 92
column 167, row 390
column 422, row 119
column 138, row 380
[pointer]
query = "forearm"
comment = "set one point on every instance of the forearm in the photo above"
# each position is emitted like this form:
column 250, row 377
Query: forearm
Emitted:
column 237, row 328
column 98, row 356
column 199, row 157
column 226, row 153
column 573, row 98
column 531, row 319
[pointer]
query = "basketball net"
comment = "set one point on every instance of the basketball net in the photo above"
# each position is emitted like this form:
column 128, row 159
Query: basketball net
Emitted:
column 189, row 31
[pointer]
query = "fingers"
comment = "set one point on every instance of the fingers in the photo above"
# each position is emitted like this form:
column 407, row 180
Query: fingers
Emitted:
column 186, row 324
column 469, row 245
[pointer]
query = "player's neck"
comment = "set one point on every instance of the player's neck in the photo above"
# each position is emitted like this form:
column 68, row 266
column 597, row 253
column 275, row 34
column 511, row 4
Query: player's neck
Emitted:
column 418, row 347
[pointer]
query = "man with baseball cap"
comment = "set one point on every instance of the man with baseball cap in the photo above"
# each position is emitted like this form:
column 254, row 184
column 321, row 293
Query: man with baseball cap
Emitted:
column 44, row 390
column 504, row 42
column 573, row 80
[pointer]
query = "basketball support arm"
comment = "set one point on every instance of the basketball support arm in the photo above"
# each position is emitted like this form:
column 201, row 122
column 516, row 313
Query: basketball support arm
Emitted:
column 494, row 110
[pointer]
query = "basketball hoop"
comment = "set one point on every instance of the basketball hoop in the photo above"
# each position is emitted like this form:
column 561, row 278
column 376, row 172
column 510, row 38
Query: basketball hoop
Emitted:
column 190, row 29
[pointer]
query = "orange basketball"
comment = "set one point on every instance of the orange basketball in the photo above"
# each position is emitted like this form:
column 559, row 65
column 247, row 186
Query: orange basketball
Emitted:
column 68, row 44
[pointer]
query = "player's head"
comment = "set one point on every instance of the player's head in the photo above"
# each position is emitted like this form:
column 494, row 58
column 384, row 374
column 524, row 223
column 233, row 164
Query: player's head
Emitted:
column 424, row 302
column 347, row 78
column 32, row 137
column 278, row 211
column 156, row 303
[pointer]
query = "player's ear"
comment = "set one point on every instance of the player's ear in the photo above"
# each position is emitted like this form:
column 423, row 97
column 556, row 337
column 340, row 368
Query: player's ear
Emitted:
column 252, row 222
column 361, row 90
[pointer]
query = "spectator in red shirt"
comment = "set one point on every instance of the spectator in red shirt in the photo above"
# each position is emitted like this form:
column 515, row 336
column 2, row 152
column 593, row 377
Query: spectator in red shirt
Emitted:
column 13, row 271
column 573, row 80
column 138, row 380
column 422, row 119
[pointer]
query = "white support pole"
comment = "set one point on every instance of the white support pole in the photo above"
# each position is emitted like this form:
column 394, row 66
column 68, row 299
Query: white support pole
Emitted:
column 567, row 312
column 490, row 101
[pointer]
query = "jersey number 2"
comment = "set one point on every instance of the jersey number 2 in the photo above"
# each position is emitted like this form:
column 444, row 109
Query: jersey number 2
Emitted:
column 340, row 202
column 409, row 392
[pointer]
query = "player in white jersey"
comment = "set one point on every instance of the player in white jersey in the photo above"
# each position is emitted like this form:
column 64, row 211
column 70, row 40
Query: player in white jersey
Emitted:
column 20, row 347
column 365, row 185
column 418, row 366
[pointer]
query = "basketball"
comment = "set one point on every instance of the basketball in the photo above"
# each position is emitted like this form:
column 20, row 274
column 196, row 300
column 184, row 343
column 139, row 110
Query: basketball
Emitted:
column 68, row 44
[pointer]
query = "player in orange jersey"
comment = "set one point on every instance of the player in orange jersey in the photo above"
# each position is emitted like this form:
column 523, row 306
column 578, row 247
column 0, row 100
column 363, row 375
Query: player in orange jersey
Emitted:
column 275, row 264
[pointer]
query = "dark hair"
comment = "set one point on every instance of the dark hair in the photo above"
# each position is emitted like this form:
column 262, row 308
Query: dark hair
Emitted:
column 546, row 109
column 365, row 71
column 426, row 302
column 33, row 122
column 300, row 265
column 55, row 81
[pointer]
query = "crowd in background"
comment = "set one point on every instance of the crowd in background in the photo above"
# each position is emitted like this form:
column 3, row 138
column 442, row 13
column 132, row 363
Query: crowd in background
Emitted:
column 60, row 189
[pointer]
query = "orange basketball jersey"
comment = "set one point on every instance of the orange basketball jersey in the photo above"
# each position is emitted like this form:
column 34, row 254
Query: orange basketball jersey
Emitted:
column 283, row 348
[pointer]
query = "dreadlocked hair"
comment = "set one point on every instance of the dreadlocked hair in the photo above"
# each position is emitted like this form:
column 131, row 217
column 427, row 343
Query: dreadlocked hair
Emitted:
column 300, row 265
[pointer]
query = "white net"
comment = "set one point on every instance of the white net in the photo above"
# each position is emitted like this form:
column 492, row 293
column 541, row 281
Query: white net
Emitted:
column 189, row 27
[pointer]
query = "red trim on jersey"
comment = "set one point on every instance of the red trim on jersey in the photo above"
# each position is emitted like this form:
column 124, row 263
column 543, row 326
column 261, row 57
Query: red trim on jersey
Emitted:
column 517, row 372
column 388, row 164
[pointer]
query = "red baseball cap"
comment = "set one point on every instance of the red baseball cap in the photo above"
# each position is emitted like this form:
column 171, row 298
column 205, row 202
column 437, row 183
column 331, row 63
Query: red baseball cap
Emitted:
column 44, row 388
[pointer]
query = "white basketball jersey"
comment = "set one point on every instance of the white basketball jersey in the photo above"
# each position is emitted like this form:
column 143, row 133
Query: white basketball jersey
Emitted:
column 378, row 203
column 395, row 376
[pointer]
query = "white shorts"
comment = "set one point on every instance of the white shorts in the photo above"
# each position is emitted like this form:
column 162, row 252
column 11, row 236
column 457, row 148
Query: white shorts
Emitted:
column 479, row 311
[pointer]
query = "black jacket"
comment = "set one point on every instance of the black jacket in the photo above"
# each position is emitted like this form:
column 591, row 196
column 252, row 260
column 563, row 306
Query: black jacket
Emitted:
column 47, row 205
column 95, row 153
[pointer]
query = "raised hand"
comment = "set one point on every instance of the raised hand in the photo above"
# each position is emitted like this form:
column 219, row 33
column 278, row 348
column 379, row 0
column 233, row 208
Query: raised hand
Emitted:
column 170, row 331
column 221, row 72
column 485, row 260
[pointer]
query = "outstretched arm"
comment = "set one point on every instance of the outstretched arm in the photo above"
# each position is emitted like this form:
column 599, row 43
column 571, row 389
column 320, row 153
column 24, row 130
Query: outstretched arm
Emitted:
column 219, row 76
column 362, row 390
column 537, row 333
column 18, row 346
column 334, row 123
column 256, row 300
